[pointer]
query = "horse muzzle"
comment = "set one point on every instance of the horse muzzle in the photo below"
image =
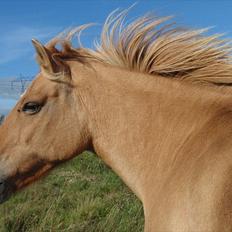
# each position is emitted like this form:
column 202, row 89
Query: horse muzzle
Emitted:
column 5, row 190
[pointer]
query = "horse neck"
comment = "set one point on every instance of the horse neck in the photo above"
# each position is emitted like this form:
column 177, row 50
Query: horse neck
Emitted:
column 143, row 126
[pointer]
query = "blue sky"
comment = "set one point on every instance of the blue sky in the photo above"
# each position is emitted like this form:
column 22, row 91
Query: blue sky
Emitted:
column 24, row 19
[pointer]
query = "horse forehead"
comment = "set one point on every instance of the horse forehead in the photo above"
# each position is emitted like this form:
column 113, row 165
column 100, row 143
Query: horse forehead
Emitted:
column 42, row 87
column 42, row 84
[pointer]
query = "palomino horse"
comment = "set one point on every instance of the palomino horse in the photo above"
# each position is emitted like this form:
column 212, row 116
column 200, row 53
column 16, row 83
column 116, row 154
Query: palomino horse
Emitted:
column 152, row 100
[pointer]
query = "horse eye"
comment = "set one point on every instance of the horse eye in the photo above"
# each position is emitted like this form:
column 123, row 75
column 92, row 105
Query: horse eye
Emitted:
column 31, row 107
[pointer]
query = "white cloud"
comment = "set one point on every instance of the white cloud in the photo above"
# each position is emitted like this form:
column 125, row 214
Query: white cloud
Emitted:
column 16, row 44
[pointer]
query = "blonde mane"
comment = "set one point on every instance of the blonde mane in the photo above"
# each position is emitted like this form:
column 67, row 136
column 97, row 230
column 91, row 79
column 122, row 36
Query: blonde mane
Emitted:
column 154, row 46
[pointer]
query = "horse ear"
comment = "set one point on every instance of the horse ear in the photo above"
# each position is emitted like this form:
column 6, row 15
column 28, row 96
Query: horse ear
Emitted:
column 43, row 56
column 53, row 68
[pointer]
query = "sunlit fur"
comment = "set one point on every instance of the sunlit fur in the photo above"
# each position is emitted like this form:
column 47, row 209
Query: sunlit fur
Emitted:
column 153, row 101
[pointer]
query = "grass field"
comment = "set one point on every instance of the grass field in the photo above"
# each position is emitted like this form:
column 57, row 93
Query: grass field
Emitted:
column 81, row 196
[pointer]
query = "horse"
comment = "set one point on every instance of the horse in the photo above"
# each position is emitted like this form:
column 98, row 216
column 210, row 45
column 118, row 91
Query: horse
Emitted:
column 151, row 99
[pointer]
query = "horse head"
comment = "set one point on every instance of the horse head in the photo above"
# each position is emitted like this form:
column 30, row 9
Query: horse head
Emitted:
column 47, row 126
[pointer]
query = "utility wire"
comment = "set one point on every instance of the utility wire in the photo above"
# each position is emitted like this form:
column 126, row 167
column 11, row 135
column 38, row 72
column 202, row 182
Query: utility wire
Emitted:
column 18, row 84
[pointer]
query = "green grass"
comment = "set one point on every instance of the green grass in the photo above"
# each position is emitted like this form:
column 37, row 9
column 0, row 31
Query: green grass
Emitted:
column 83, row 195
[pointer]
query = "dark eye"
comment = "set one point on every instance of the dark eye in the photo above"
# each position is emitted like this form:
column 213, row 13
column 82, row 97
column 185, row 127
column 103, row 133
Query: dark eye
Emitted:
column 31, row 107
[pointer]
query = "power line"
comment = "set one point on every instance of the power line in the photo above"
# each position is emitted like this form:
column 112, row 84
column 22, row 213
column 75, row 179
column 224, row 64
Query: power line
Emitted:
column 19, row 84
column 24, row 81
